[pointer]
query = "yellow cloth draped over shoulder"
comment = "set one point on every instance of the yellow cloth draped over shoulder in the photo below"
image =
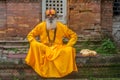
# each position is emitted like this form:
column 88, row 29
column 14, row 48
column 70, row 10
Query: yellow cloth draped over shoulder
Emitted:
column 57, row 60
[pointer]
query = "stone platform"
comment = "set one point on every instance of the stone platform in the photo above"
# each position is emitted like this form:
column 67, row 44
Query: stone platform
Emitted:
column 13, row 67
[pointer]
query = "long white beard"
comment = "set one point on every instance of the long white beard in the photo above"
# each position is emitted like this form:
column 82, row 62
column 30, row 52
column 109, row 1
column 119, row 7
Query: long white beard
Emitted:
column 51, row 25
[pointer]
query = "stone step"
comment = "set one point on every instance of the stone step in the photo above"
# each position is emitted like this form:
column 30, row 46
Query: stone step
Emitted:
column 17, row 56
column 22, row 72
column 22, row 55
column 13, row 49
column 7, row 44
column 96, row 66
column 13, row 41
column 13, row 67
column 26, row 41
column 12, row 46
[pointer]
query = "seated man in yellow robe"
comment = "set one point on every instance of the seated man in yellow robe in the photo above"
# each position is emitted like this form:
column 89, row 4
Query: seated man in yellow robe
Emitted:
column 50, row 57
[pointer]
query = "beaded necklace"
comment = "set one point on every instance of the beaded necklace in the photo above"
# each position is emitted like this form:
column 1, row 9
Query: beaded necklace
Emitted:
column 51, row 41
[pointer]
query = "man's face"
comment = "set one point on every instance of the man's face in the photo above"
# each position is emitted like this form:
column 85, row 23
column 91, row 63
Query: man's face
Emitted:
column 51, row 17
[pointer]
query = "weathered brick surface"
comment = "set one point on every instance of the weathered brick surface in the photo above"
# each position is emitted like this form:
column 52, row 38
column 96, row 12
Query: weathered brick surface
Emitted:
column 2, row 19
column 22, row 17
column 86, row 17
column 106, row 16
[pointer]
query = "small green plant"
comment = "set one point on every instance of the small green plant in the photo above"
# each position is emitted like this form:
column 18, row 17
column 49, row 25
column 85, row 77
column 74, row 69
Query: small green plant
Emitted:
column 13, row 49
column 107, row 47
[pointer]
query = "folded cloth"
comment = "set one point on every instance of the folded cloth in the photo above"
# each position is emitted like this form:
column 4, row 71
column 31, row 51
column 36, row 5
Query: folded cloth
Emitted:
column 88, row 52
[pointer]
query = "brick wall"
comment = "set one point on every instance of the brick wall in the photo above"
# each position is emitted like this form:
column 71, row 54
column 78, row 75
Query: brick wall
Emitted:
column 106, row 17
column 22, row 17
column 86, row 17
column 2, row 19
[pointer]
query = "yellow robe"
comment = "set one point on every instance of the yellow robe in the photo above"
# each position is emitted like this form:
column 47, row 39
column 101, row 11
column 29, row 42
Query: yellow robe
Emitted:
column 57, row 60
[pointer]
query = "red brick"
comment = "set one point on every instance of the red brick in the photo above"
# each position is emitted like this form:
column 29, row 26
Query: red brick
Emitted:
column 26, row 14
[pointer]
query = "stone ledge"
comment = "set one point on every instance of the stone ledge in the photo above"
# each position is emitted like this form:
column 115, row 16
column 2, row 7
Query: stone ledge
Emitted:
column 8, row 47
column 98, row 67
column 84, row 71
column 24, row 66
column 79, row 59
